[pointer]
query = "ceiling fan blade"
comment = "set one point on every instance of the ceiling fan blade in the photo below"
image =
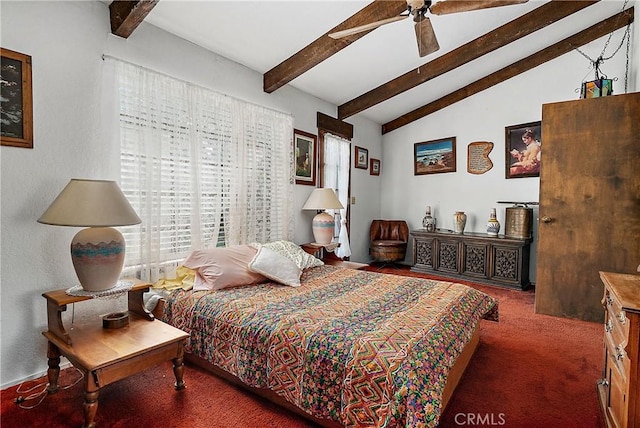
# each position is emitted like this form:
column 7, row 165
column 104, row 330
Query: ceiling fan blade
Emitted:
column 366, row 27
column 454, row 6
column 426, row 37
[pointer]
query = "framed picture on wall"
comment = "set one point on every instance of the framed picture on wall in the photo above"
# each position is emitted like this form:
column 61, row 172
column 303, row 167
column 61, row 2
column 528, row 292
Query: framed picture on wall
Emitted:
column 362, row 158
column 375, row 167
column 305, row 148
column 523, row 150
column 435, row 156
column 17, row 99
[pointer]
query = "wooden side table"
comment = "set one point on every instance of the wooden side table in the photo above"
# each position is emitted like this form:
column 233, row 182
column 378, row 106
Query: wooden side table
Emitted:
column 109, row 355
column 325, row 252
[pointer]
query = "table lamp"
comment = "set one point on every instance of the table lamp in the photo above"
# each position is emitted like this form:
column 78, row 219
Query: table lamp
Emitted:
column 98, row 251
column 323, row 224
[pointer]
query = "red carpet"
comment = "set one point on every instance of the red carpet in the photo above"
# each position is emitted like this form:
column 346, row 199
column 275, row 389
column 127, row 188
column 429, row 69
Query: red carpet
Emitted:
column 529, row 371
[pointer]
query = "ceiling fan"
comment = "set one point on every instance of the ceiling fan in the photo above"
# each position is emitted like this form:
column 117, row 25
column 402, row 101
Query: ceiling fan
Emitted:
column 425, row 36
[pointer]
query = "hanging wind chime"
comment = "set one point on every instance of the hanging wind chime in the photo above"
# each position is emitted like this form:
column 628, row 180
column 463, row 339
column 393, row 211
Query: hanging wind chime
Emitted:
column 602, row 86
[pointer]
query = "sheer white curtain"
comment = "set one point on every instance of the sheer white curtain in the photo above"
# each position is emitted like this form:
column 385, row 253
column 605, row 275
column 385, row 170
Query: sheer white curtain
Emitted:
column 336, row 176
column 201, row 169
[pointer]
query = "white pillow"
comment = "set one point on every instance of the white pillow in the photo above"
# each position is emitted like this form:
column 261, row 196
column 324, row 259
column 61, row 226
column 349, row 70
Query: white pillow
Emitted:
column 294, row 253
column 276, row 267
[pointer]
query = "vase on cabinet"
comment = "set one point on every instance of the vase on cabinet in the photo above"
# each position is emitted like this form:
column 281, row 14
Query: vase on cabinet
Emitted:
column 493, row 225
column 459, row 222
column 429, row 222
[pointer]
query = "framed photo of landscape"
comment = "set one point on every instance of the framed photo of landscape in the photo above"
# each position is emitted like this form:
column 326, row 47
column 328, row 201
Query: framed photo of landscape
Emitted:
column 17, row 99
column 435, row 156
column 523, row 150
column 305, row 147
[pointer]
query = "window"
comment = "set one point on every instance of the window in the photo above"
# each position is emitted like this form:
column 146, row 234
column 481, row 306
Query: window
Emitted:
column 335, row 174
column 201, row 169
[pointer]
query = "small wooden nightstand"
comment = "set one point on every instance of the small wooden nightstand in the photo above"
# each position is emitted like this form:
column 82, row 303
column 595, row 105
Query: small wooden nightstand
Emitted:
column 325, row 252
column 108, row 355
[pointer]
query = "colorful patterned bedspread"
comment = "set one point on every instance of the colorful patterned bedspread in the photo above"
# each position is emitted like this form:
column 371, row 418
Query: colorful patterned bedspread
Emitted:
column 360, row 348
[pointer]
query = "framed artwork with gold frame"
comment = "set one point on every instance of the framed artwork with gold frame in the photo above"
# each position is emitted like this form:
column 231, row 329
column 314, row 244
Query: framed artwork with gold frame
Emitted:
column 17, row 99
column 305, row 149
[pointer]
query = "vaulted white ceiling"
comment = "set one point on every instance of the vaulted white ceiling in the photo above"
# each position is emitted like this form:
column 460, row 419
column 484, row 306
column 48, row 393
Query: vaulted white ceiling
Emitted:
column 262, row 34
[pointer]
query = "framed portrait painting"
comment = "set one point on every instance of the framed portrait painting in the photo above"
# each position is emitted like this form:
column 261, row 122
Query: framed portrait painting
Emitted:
column 435, row 156
column 523, row 150
column 374, row 167
column 362, row 158
column 17, row 99
column 305, row 147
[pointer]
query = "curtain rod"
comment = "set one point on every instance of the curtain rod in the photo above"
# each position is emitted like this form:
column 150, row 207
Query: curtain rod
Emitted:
column 111, row 57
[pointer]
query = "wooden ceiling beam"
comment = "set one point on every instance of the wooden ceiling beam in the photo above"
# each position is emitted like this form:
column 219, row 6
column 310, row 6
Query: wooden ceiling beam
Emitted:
column 127, row 15
column 567, row 45
column 324, row 46
column 528, row 23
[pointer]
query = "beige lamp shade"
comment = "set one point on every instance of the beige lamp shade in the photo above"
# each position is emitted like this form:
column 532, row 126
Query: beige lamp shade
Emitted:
column 98, row 251
column 90, row 203
column 323, row 199
column 323, row 224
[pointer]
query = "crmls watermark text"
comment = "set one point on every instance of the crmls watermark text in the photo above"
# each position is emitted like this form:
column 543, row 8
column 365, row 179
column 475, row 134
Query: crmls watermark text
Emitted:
column 479, row 419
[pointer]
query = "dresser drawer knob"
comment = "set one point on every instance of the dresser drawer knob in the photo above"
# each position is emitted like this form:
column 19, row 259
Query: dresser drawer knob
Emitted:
column 608, row 326
column 622, row 318
column 619, row 352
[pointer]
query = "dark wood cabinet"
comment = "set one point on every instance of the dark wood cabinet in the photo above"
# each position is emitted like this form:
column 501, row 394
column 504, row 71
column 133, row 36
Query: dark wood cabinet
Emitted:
column 501, row 260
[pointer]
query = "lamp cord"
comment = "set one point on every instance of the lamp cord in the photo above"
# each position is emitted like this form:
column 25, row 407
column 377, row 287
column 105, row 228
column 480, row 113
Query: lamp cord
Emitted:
column 39, row 394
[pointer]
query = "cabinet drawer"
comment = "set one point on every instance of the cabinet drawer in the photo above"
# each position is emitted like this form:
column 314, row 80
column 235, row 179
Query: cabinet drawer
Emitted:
column 617, row 402
column 617, row 319
column 617, row 354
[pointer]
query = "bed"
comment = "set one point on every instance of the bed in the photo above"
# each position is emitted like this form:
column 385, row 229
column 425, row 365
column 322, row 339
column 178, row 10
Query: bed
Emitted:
column 344, row 348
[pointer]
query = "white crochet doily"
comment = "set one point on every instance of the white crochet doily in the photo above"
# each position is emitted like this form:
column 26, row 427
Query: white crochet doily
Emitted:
column 120, row 287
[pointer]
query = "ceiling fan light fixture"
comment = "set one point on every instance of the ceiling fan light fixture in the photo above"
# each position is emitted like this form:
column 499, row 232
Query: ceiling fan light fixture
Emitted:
column 416, row 5
column 425, row 36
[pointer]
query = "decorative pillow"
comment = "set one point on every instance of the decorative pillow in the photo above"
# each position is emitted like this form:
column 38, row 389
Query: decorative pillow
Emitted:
column 293, row 252
column 223, row 267
column 276, row 267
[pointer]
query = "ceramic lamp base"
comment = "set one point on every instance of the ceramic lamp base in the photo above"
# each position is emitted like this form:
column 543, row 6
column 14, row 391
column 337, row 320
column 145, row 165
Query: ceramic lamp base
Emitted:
column 98, row 256
column 323, row 226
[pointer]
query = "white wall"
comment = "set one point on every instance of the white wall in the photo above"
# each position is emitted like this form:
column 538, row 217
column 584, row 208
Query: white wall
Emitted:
column 483, row 117
column 66, row 41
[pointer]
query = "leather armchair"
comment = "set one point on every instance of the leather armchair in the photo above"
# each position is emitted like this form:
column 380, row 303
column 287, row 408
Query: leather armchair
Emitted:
column 388, row 240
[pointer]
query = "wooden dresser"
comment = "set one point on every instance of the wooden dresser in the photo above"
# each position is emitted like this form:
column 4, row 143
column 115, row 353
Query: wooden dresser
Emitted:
column 619, row 388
